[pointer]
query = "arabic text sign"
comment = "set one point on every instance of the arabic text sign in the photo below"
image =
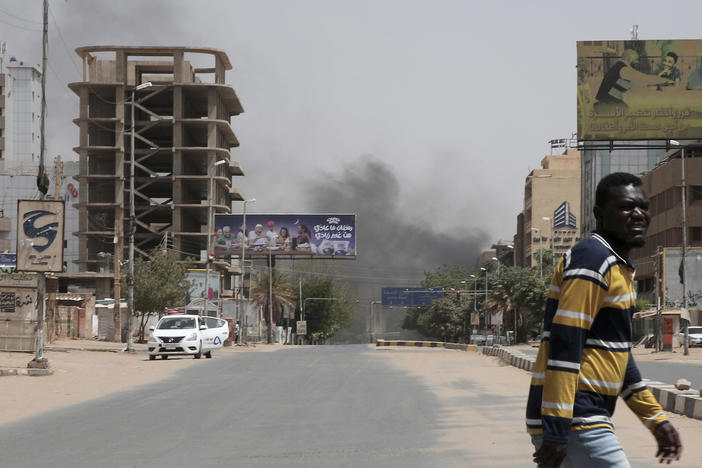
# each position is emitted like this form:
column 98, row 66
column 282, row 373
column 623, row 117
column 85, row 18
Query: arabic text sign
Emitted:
column 639, row 90
column 316, row 235
column 40, row 230
column 411, row 297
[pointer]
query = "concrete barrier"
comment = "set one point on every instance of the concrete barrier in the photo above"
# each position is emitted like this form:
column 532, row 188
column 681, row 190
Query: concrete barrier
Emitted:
column 685, row 402
column 427, row 344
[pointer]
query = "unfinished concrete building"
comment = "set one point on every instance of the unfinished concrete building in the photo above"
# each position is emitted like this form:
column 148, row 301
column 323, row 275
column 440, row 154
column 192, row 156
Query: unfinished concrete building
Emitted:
column 181, row 129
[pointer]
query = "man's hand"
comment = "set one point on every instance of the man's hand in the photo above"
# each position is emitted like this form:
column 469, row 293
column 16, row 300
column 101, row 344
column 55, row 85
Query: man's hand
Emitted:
column 551, row 454
column 669, row 445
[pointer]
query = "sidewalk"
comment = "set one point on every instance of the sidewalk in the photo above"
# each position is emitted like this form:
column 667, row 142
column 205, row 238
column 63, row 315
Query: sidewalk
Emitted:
column 15, row 363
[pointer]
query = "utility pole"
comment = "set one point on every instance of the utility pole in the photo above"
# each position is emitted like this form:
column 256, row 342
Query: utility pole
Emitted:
column 683, row 186
column 39, row 359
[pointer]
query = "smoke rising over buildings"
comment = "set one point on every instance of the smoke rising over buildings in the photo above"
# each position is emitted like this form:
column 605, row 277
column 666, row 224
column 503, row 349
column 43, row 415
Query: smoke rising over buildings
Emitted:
column 389, row 237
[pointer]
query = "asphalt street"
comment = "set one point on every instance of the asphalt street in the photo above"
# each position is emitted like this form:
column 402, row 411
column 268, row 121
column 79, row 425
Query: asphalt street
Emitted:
column 311, row 406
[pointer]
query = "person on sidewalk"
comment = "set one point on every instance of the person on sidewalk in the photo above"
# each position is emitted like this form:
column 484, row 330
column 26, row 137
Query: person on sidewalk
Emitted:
column 584, row 361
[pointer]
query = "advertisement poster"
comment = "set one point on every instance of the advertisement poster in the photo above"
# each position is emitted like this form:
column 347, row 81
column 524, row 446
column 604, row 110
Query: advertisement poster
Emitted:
column 311, row 235
column 197, row 286
column 40, row 235
column 639, row 90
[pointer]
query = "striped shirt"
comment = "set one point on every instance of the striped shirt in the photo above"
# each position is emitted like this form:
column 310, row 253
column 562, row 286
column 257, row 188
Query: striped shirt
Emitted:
column 585, row 361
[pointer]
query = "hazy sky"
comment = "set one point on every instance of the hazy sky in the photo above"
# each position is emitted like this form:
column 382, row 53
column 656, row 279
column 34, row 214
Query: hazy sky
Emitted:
column 453, row 102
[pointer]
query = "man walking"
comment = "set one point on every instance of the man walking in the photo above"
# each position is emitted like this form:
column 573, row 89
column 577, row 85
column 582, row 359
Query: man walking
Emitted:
column 585, row 361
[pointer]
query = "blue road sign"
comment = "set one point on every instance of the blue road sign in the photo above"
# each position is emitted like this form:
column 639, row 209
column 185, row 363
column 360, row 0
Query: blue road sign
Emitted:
column 411, row 297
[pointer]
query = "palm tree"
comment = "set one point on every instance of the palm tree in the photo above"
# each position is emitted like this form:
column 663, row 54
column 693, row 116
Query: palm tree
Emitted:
column 282, row 294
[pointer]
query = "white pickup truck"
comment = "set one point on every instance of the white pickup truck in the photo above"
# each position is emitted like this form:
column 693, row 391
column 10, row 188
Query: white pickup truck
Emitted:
column 187, row 335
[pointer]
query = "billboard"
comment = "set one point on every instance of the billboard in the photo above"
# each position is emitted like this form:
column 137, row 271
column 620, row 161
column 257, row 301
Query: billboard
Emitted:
column 310, row 235
column 672, row 280
column 197, row 280
column 40, row 235
column 410, row 297
column 639, row 90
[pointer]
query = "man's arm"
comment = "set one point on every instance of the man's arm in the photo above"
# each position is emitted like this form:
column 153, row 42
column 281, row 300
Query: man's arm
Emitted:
column 642, row 402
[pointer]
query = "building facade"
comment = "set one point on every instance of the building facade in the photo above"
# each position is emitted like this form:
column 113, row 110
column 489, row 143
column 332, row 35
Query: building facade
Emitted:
column 20, row 118
column 551, row 212
column 602, row 158
column 663, row 185
column 182, row 140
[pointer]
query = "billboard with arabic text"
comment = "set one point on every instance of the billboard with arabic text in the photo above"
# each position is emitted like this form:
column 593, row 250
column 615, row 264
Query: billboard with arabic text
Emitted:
column 639, row 90
column 285, row 235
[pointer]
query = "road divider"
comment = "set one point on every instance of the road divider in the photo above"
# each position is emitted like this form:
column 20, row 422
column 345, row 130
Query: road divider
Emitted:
column 685, row 402
column 426, row 344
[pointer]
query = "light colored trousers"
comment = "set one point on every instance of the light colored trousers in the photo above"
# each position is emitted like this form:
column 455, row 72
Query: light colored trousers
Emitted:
column 591, row 448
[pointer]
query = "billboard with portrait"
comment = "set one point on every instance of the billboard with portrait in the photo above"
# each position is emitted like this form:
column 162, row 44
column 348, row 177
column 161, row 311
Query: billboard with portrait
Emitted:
column 672, row 279
column 291, row 235
column 639, row 90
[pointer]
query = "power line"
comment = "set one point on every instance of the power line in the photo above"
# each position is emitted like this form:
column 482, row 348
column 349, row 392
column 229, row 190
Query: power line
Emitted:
column 20, row 27
column 20, row 18
column 70, row 54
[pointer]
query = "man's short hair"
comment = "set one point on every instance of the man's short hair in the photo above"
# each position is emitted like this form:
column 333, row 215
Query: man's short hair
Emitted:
column 674, row 55
column 616, row 179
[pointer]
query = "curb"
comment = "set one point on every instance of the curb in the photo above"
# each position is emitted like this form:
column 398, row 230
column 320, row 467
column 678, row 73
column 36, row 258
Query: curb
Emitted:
column 33, row 372
column 427, row 344
column 685, row 402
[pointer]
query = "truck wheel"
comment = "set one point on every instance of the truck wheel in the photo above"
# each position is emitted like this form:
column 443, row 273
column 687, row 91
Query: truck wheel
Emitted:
column 152, row 357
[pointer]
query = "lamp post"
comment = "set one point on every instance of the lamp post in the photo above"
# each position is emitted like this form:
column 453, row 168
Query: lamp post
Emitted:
column 270, row 292
column 132, row 228
column 486, row 295
column 541, row 250
column 475, row 293
column 370, row 319
column 498, row 265
column 553, row 244
column 242, row 270
column 209, row 234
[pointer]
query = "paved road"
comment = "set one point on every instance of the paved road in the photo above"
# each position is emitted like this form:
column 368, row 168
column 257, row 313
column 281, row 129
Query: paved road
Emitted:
column 331, row 406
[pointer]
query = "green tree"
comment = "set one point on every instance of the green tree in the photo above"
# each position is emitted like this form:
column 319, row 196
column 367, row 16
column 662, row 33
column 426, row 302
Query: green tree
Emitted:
column 327, row 306
column 521, row 293
column 281, row 293
column 158, row 283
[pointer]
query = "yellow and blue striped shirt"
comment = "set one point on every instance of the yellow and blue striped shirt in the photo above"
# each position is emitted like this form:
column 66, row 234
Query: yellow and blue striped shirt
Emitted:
column 585, row 360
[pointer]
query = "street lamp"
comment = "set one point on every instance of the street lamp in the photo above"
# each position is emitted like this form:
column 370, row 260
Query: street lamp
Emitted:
column 270, row 292
column 541, row 250
column 498, row 264
column 132, row 228
column 475, row 293
column 242, row 269
column 209, row 233
column 553, row 244
column 486, row 294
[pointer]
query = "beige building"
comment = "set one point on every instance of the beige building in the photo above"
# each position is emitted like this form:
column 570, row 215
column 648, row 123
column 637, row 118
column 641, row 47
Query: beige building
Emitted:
column 551, row 216
column 181, row 129
column 663, row 187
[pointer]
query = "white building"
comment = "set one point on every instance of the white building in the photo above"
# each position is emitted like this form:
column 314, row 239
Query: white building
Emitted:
column 20, row 118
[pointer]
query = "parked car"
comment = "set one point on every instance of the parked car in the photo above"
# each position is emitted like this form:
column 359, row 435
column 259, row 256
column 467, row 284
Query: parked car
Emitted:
column 694, row 334
column 184, row 334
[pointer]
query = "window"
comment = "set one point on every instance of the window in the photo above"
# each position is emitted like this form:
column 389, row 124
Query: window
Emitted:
column 695, row 193
column 696, row 234
column 2, row 156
